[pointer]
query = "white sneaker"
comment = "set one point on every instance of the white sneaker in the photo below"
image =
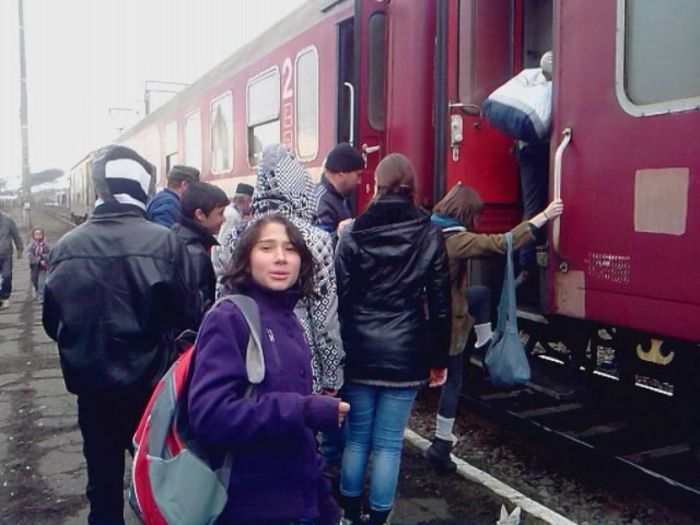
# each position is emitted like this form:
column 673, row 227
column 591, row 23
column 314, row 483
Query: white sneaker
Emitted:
column 5, row 303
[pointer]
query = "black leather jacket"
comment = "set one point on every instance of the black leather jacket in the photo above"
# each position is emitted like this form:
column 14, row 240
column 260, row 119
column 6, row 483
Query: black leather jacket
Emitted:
column 117, row 286
column 198, row 242
column 392, row 267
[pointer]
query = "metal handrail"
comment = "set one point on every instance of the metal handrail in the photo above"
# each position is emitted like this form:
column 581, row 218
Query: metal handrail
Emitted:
column 352, row 112
column 556, row 226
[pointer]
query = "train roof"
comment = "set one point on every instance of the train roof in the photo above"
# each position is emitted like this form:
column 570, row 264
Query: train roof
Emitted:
column 293, row 24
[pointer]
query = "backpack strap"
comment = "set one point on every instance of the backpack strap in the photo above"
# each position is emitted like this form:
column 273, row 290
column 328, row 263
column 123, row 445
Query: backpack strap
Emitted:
column 255, row 361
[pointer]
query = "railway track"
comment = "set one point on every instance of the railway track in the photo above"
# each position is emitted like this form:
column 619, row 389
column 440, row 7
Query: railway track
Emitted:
column 634, row 435
column 62, row 215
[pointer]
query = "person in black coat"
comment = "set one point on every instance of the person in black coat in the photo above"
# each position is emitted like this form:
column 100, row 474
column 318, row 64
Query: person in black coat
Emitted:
column 391, row 266
column 203, row 208
column 117, row 286
column 341, row 176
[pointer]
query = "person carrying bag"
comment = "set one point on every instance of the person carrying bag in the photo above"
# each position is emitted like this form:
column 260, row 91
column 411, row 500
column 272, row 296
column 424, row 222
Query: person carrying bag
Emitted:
column 506, row 360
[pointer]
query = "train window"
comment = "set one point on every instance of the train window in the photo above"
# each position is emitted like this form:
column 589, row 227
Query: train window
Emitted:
column 222, row 133
column 171, row 138
column 306, row 92
column 193, row 140
column 485, row 47
column 658, row 66
column 376, row 111
column 263, row 113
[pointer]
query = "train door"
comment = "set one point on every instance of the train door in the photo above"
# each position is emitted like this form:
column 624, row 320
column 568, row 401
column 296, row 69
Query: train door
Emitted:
column 369, row 90
column 482, row 47
column 628, row 92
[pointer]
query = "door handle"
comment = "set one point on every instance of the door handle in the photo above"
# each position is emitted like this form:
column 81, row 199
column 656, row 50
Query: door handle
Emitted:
column 370, row 149
column 556, row 226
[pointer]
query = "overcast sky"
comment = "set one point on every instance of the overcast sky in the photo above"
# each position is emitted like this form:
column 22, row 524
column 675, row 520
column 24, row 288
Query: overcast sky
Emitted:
column 85, row 56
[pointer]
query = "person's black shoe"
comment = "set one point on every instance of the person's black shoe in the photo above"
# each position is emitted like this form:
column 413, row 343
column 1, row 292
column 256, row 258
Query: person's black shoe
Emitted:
column 379, row 517
column 352, row 510
column 439, row 455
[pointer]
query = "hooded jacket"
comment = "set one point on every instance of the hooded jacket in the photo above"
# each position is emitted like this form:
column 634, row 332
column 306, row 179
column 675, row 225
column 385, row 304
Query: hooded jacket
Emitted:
column 117, row 286
column 285, row 188
column 391, row 264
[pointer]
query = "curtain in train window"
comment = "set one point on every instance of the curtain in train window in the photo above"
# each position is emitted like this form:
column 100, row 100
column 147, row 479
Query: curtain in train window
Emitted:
column 193, row 140
column 222, row 133
column 263, row 113
column 662, row 62
column 307, row 104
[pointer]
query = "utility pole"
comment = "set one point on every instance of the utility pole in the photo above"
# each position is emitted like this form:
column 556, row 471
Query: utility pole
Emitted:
column 24, row 121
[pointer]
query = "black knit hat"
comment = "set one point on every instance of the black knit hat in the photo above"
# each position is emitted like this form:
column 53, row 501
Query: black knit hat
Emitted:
column 344, row 158
column 244, row 189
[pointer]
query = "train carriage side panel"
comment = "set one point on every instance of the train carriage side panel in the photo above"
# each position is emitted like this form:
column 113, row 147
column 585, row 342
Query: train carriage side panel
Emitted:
column 629, row 241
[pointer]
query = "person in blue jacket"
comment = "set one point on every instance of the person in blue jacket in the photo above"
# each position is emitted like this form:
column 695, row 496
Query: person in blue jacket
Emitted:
column 165, row 208
column 277, row 472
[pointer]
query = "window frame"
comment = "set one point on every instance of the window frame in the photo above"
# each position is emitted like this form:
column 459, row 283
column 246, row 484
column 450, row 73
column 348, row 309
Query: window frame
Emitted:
column 372, row 116
column 301, row 53
column 232, row 142
column 626, row 103
column 189, row 116
column 272, row 70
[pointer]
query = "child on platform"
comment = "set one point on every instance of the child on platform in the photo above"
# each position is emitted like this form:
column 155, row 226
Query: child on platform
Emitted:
column 37, row 251
column 276, row 476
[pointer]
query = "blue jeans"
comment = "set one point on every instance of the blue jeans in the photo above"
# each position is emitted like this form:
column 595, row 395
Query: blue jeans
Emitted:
column 376, row 423
column 533, row 161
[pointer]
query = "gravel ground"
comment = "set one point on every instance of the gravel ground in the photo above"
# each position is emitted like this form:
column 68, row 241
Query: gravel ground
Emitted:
column 558, row 482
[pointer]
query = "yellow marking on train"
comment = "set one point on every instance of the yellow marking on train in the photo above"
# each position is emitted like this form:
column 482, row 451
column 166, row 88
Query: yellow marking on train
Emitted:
column 654, row 355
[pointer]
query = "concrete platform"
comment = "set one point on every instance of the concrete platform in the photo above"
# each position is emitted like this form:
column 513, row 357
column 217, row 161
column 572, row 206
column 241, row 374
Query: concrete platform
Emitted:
column 42, row 470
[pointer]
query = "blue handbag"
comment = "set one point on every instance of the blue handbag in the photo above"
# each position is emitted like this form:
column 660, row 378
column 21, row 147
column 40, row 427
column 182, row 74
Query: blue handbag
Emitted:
column 506, row 360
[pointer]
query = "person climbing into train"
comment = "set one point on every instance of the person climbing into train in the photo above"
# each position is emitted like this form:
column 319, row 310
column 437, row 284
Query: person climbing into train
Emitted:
column 392, row 266
column 533, row 164
column 284, row 187
column 202, row 216
column 457, row 215
column 165, row 208
column 37, row 250
column 277, row 473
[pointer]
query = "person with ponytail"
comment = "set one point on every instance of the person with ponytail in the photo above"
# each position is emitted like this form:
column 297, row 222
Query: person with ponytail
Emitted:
column 392, row 268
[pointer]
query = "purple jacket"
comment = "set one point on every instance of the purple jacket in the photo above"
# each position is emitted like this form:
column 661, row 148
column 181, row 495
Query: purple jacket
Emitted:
column 277, row 471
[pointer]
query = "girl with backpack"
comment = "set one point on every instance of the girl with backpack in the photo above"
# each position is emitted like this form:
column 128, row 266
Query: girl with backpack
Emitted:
column 456, row 215
column 392, row 268
column 276, row 476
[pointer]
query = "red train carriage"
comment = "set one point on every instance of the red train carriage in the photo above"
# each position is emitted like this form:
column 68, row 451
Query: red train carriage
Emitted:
column 409, row 76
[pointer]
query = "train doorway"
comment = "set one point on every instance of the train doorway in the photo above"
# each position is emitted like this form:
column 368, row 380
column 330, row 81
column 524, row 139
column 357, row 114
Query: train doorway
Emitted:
column 370, row 66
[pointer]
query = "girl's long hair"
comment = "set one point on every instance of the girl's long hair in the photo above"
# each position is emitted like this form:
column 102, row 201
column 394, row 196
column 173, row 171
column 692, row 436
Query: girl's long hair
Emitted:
column 395, row 175
column 463, row 204
column 238, row 272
